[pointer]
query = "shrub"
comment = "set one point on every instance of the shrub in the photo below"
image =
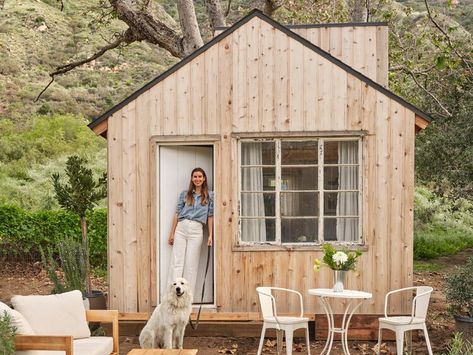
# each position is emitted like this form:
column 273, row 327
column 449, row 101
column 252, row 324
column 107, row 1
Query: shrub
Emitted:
column 441, row 226
column 459, row 290
column 7, row 335
column 72, row 257
column 459, row 346
column 24, row 233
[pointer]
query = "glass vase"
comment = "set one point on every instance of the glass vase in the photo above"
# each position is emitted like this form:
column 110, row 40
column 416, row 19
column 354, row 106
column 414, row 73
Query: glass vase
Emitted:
column 339, row 280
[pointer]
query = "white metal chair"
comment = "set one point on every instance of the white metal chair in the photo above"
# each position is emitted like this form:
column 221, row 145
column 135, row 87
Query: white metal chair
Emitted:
column 400, row 324
column 271, row 320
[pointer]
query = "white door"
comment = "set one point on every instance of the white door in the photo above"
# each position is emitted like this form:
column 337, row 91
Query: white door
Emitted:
column 175, row 166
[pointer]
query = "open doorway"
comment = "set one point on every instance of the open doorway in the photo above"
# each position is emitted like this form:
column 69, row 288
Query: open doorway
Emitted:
column 175, row 165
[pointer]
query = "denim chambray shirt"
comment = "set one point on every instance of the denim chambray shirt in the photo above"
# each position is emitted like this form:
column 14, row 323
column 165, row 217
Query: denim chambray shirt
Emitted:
column 197, row 212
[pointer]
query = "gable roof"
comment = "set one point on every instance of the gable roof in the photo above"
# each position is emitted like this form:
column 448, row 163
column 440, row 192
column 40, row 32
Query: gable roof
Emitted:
column 101, row 121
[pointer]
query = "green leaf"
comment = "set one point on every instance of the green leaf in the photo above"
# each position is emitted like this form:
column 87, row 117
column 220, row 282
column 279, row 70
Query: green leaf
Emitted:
column 440, row 62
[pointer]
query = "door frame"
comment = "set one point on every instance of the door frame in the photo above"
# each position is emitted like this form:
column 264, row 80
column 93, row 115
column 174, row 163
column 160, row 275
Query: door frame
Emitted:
column 156, row 142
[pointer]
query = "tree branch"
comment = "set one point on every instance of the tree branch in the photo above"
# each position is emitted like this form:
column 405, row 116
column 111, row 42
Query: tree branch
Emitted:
column 149, row 28
column 412, row 75
column 229, row 3
column 127, row 37
column 447, row 37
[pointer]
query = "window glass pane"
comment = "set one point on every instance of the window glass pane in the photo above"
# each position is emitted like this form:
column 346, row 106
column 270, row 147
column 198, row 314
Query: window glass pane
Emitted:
column 341, row 204
column 258, row 153
column 341, row 152
column 258, row 179
column 331, row 152
column 330, row 229
column 258, row 230
column 258, row 204
column 298, row 153
column 299, row 203
column 299, row 178
column 341, row 229
column 331, row 178
column 341, row 178
column 299, row 230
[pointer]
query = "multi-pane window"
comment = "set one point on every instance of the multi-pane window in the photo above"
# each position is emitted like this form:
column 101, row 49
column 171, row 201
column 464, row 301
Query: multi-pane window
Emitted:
column 300, row 191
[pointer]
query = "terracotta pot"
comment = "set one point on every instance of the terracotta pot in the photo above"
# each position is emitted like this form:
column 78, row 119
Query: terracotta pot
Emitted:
column 464, row 325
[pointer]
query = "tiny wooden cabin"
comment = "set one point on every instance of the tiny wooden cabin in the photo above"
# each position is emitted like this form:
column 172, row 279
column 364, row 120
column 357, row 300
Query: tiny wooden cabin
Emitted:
column 302, row 143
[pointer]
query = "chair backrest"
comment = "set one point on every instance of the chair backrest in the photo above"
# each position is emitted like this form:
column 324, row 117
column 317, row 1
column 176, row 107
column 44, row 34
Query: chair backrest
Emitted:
column 422, row 302
column 265, row 301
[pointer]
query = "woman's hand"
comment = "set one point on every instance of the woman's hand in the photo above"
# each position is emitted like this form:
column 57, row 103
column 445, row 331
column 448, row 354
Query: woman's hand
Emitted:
column 209, row 241
column 173, row 230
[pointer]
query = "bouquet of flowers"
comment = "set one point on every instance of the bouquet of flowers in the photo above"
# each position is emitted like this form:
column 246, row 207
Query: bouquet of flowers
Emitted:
column 338, row 259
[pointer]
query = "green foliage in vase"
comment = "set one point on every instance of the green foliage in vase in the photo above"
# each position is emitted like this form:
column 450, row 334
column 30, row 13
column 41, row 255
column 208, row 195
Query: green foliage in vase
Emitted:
column 344, row 259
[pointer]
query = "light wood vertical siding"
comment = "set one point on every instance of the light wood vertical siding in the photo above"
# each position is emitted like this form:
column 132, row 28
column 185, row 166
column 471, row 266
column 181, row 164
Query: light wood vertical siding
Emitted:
column 361, row 46
column 258, row 79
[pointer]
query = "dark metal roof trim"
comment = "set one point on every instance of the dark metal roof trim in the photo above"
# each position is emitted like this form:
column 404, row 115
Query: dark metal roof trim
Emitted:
column 319, row 25
column 288, row 32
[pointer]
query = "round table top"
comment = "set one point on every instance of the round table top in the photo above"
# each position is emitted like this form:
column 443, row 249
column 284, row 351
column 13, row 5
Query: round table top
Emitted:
column 328, row 292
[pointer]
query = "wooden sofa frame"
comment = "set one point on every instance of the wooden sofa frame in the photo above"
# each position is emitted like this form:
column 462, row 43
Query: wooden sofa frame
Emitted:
column 65, row 342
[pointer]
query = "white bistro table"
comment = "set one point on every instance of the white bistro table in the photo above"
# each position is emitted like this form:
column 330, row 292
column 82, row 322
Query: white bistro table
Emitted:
column 355, row 298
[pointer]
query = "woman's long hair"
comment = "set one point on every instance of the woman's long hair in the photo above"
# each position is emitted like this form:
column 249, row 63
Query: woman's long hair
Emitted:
column 204, row 192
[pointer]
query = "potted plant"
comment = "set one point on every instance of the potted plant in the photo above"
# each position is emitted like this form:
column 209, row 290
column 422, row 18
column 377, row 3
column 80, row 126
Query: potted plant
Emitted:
column 340, row 261
column 79, row 194
column 7, row 334
column 459, row 293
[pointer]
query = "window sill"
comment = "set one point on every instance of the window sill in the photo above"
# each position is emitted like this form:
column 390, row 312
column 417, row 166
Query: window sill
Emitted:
column 294, row 247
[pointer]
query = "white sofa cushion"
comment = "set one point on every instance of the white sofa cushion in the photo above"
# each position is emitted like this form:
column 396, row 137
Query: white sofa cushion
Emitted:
column 89, row 346
column 93, row 346
column 18, row 321
column 62, row 314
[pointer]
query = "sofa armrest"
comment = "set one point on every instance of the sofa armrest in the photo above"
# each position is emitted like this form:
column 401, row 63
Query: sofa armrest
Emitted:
column 106, row 316
column 44, row 342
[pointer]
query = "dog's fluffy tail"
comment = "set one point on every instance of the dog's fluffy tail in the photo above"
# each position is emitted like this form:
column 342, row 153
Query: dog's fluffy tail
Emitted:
column 146, row 338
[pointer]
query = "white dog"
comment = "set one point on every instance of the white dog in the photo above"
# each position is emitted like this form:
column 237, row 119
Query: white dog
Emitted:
column 165, row 328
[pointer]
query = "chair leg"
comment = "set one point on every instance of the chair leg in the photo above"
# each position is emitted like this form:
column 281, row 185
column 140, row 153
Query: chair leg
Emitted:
column 261, row 341
column 289, row 336
column 399, row 341
column 427, row 340
column 380, row 333
column 307, row 339
column 279, row 334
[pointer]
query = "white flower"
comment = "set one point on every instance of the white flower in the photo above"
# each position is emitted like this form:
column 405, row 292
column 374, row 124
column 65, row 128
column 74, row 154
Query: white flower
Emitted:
column 340, row 258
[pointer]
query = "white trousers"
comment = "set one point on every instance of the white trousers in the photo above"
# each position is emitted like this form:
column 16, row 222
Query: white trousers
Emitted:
column 186, row 251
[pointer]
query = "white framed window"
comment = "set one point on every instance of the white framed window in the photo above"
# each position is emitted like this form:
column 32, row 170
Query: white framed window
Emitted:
column 300, row 191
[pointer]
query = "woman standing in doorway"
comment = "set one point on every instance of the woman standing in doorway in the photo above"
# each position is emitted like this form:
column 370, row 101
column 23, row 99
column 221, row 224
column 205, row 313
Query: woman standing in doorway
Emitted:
column 194, row 210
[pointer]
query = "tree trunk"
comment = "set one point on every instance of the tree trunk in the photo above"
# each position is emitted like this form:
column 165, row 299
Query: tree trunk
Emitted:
column 190, row 28
column 358, row 10
column 85, row 242
column 217, row 19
